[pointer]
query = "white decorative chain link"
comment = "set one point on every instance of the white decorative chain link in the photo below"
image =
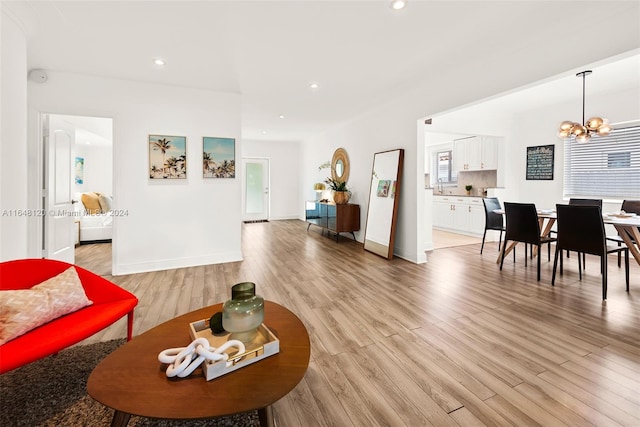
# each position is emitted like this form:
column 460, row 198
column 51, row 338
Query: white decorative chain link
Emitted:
column 184, row 360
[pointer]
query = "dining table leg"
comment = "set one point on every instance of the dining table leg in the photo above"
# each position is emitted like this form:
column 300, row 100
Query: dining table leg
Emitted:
column 506, row 250
column 629, row 233
column 546, row 230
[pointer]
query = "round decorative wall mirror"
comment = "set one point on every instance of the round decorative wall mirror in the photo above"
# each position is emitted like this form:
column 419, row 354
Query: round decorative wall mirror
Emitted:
column 340, row 165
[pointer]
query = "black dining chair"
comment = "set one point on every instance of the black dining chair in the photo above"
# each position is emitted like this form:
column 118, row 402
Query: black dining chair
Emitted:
column 581, row 229
column 492, row 220
column 523, row 226
column 629, row 206
column 584, row 202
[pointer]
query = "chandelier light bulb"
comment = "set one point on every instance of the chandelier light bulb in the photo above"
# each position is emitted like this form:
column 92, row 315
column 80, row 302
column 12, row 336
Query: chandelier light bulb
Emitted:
column 578, row 130
column 594, row 123
column 604, row 129
column 583, row 138
column 566, row 126
column 398, row 4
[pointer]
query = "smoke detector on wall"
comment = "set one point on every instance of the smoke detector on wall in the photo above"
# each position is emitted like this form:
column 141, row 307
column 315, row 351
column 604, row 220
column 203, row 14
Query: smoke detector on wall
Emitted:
column 38, row 76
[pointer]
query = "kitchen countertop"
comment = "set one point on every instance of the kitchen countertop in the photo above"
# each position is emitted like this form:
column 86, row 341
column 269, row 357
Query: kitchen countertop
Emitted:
column 456, row 195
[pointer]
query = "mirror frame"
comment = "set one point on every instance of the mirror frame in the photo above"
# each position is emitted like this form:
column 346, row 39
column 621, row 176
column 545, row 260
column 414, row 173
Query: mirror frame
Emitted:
column 340, row 154
column 370, row 245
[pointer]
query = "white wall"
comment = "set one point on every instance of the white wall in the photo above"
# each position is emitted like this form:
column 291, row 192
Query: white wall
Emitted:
column 284, row 159
column 13, row 134
column 392, row 130
column 98, row 168
column 168, row 223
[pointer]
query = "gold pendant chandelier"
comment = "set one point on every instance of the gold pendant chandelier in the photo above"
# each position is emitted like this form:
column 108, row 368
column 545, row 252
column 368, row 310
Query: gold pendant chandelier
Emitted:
column 593, row 126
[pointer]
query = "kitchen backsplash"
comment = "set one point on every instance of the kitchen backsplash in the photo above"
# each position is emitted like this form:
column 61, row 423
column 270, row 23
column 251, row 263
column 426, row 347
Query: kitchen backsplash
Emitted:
column 478, row 179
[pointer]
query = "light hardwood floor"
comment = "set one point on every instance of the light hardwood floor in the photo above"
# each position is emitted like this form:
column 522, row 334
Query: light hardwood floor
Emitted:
column 444, row 239
column 454, row 341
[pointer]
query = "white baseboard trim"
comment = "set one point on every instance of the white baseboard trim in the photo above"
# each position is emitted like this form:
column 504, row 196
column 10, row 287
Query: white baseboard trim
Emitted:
column 168, row 264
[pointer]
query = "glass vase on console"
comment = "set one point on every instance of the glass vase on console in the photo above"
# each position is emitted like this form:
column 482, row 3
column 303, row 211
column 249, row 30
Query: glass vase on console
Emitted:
column 243, row 313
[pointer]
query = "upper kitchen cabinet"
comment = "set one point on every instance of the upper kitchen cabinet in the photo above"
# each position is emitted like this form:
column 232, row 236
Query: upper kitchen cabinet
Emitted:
column 476, row 153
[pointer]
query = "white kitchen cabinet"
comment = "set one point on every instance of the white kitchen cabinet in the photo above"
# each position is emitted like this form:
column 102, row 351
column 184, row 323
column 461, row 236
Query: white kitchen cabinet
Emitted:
column 476, row 216
column 459, row 214
column 476, row 153
column 442, row 217
column 489, row 153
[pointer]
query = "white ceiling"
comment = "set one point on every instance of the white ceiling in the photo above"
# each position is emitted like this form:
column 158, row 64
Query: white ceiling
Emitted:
column 360, row 52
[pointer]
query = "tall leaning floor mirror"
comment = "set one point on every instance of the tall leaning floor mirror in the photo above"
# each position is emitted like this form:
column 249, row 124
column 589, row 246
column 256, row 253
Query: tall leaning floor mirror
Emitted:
column 384, row 200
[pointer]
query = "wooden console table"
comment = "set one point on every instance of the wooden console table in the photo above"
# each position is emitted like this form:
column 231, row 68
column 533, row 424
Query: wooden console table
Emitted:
column 334, row 218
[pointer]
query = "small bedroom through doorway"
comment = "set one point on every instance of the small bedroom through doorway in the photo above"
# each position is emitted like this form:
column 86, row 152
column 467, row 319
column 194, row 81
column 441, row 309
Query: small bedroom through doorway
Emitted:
column 93, row 192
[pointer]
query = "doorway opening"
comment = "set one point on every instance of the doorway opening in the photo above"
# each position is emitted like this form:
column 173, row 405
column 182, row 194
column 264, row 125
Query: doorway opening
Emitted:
column 90, row 184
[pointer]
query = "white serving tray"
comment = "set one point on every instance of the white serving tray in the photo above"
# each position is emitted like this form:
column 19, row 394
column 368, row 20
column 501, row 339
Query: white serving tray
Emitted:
column 264, row 344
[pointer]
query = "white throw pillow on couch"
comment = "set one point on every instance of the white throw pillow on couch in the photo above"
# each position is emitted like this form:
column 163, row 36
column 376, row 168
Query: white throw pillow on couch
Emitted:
column 105, row 202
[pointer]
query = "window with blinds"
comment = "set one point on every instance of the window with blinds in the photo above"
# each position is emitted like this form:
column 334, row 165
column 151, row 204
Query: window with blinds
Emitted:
column 444, row 167
column 606, row 166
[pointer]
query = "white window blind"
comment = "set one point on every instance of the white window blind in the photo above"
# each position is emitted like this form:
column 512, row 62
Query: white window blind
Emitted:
column 606, row 166
column 444, row 167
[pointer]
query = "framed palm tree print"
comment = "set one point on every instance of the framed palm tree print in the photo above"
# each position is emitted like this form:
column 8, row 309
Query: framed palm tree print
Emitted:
column 167, row 157
column 218, row 157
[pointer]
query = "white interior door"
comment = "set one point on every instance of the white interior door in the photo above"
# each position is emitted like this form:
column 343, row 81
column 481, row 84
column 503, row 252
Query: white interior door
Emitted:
column 256, row 189
column 59, row 141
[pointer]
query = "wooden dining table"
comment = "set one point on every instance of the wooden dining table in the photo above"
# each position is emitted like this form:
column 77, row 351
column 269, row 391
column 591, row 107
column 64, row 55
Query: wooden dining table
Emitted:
column 625, row 225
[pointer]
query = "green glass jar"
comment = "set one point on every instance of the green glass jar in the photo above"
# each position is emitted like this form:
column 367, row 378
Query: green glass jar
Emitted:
column 244, row 312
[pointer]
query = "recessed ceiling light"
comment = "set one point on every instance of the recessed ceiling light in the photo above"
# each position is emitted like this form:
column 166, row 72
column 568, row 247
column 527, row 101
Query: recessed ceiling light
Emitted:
column 281, row 116
column 398, row 4
column 264, row 132
column 314, row 85
column 159, row 61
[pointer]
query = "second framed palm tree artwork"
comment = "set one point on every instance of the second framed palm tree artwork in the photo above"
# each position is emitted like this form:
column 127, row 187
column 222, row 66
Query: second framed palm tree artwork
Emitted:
column 218, row 157
column 167, row 157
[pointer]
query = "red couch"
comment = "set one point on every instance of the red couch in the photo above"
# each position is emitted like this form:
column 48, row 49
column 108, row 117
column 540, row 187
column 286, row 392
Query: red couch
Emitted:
column 110, row 303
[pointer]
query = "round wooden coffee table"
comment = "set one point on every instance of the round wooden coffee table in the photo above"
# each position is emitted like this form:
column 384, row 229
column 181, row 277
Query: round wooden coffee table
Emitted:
column 133, row 382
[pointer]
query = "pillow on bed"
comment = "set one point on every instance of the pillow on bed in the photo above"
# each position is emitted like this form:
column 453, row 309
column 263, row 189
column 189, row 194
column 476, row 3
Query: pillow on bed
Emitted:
column 105, row 202
column 26, row 309
column 91, row 203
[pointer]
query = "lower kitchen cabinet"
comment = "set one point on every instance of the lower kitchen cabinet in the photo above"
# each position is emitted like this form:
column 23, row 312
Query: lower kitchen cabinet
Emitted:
column 457, row 214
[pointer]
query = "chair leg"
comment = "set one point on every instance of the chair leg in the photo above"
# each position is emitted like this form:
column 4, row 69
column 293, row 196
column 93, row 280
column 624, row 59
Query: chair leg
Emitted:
column 539, row 249
column 500, row 240
column 483, row 236
column 626, row 267
column 504, row 248
column 619, row 244
column 555, row 265
column 130, row 325
column 561, row 263
column 584, row 260
column 525, row 254
column 603, row 262
column 579, row 266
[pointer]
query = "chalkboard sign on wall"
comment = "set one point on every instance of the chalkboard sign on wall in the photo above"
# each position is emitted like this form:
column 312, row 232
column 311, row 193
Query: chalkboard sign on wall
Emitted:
column 540, row 162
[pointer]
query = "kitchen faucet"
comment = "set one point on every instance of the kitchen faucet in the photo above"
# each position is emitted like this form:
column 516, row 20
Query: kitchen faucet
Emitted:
column 440, row 186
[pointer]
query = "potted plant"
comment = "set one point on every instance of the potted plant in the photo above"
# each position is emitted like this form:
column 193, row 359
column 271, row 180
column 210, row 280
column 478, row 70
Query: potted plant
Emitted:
column 468, row 188
column 341, row 194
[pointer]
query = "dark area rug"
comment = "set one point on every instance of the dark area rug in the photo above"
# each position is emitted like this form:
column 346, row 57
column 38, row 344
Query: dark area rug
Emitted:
column 52, row 392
